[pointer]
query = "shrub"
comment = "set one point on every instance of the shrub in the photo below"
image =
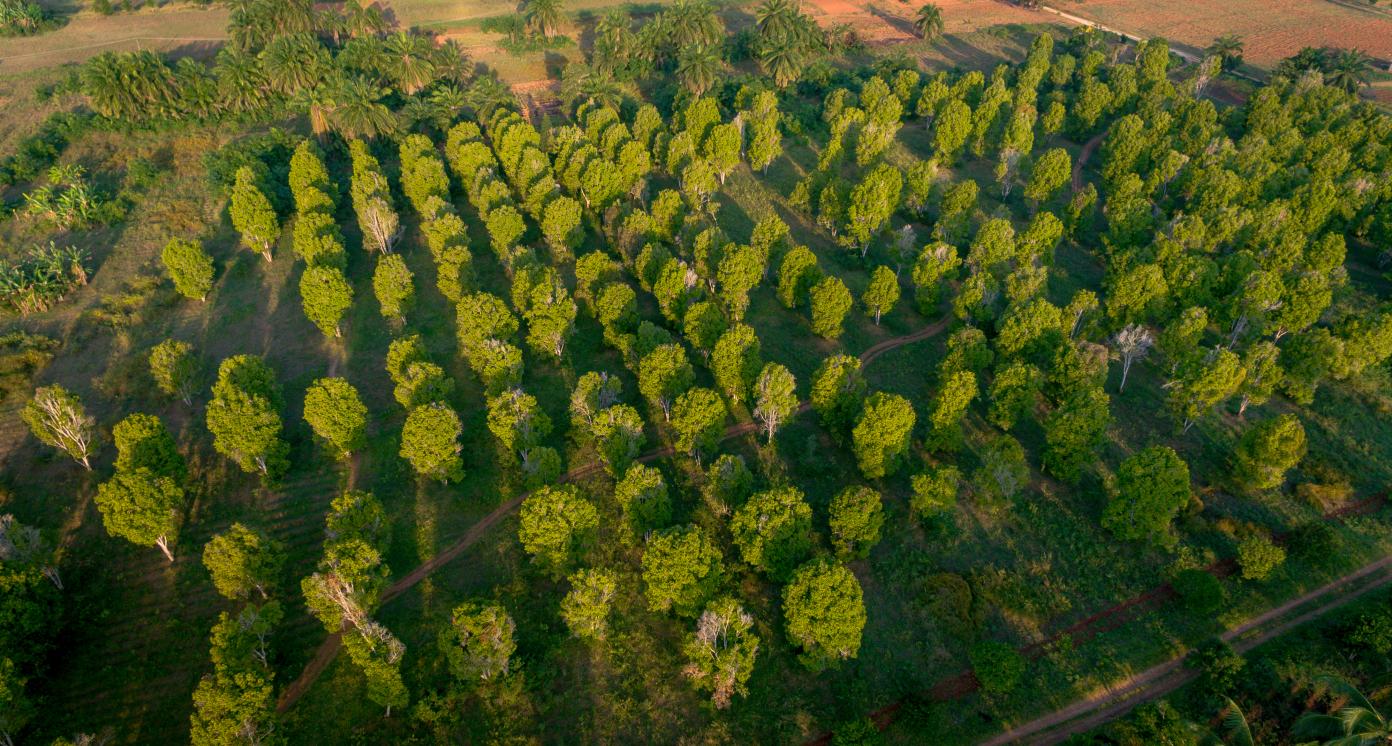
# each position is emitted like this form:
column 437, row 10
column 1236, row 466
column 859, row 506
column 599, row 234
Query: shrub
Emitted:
column 997, row 666
column 1258, row 557
column 1219, row 663
column 1201, row 593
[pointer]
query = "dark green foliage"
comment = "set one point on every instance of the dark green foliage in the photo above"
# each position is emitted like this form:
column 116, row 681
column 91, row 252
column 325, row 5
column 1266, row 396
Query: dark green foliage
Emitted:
column 1200, row 592
column 997, row 666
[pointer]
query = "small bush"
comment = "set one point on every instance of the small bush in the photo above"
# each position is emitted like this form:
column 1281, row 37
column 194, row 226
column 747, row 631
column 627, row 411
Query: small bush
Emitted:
column 1220, row 664
column 1373, row 631
column 997, row 666
column 1200, row 592
column 1258, row 557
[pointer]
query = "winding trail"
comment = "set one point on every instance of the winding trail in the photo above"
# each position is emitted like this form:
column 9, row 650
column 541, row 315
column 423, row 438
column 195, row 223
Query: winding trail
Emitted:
column 329, row 649
column 1089, row 148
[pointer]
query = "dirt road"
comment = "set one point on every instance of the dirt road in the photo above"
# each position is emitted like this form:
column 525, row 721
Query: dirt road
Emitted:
column 1164, row 678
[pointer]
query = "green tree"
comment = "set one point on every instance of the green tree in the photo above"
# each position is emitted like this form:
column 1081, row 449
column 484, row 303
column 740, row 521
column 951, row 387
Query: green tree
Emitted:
column 698, row 417
column 773, row 531
column 1152, row 486
column 682, row 569
column 728, row 483
column 830, row 302
column 997, row 666
column 1051, row 172
column 326, row 295
column 244, row 416
column 189, row 266
column 872, row 203
column 57, row 417
column 430, row 442
column 1199, row 390
column 950, row 130
column 1014, row 391
column 142, row 508
column 560, row 224
column 824, row 614
column 935, row 492
column 618, row 437
column 241, row 560
column 1201, row 593
column 1003, row 471
column 643, row 498
column 663, row 375
column 478, row 643
column 950, row 406
column 720, row 653
column 586, row 607
column 1073, row 433
column 797, row 274
column 739, row 271
column 736, row 361
column 252, row 214
column 556, row 525
column 856, row 515
column 881, row 435
column 394, row 286
column 336, row 413
column 1268, row 450
column 838, row 389
column 142, row 440
column 775, row 398
column 174, row 368
column 882, row 292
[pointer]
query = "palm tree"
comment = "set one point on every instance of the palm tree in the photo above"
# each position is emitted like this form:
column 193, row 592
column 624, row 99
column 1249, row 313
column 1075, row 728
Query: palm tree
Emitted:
column 294, row 62
column 693, row 23
column 1355, row 722
column 1348, row 70
column 543, row 16
column 486, row 94
column 929, row 23
column 1235, row 730
column 1228, row 48
column 589, row 83
column 241, row 82
column 783, row 61
column 698, row 69
column 358, row 111
column 775, row 19
column 410, row 61
column 363, row 20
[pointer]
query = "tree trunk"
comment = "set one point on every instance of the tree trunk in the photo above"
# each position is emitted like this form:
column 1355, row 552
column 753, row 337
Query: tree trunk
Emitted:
column 877, row 317
column 1125, row 371
column 266, row 255
column 163, row 544
column 1242, row 408
column 86, row 463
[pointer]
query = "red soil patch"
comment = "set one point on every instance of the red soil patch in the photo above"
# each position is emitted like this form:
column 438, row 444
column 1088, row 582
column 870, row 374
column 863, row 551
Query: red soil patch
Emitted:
column 1271, row 29
column 887, row 21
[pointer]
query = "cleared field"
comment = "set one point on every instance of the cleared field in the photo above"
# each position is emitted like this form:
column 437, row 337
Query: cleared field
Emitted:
column 1271, row 29
column 181, row 28
column 885, row 22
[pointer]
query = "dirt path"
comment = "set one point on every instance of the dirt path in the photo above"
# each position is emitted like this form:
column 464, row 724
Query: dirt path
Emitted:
column 329, row 649
column 1089, row 148
column 1164, row 678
